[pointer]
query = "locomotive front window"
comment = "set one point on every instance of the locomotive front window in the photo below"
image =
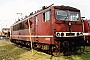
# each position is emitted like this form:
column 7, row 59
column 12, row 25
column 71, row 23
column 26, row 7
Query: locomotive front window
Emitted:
column 67, row 15
column 61, row 15
column 74, row 16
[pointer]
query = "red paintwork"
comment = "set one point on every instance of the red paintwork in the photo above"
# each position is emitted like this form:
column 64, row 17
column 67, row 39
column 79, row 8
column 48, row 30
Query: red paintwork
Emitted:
column 86, row 27
column 63, row 26
column 43, row 29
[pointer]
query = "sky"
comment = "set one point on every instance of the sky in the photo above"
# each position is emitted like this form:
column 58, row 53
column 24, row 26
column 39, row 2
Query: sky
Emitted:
column 10, row 8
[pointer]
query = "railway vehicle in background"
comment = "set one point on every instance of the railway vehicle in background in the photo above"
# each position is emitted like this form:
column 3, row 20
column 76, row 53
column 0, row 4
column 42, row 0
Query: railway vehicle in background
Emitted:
column 55, row 29
column 86, row 33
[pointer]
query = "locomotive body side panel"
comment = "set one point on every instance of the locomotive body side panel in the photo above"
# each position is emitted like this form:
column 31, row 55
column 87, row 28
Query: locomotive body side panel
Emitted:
column 86, row 26
column 20, row 31
column 44, row 28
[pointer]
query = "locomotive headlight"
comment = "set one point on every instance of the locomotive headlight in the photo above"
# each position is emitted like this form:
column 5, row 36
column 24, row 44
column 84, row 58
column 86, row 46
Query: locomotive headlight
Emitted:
column 62, row 34
column 77, row 33
column 58, row 34
column 69, row 23
column 81, row 33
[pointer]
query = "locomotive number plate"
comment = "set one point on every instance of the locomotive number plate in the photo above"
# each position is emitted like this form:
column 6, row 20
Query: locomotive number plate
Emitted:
column 70, row 34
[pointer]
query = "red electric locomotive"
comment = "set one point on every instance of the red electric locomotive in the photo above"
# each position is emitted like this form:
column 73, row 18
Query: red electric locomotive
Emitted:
column 56, row 29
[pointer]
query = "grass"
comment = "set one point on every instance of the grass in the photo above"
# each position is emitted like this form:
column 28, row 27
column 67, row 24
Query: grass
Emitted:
column 10, row 51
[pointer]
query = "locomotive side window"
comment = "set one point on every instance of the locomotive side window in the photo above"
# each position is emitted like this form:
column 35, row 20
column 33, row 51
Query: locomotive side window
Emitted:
column 15, row 27
column 36, row 20
column 18, row 27
column 26, row 24
column 21, row 26
column 46, row 16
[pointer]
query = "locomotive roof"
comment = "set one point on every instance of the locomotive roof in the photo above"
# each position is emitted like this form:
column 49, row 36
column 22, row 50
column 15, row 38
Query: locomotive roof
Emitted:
column 44, row 8
column 62, row 7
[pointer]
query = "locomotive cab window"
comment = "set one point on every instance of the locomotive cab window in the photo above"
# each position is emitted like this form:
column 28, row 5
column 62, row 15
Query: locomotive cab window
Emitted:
column 61, row 15
column 74, row 16
column 46, row 16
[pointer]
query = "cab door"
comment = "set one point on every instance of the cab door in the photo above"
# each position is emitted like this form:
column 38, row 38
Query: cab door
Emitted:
column 36, row 28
